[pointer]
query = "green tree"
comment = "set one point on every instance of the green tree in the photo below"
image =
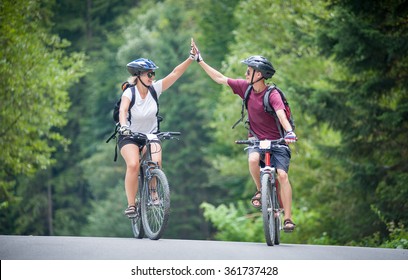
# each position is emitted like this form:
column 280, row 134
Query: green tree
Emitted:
column 36, row 73
column 367, row 104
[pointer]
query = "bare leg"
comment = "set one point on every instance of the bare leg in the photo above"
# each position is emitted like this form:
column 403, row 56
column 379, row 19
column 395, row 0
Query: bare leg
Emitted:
column 253, row 163
column 130, row 154
column 156, row 151
column 286, row 193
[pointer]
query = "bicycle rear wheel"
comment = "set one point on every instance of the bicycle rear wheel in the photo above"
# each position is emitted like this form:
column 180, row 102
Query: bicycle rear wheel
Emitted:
column 155, row 206
column 267, row 209
column 136, row 222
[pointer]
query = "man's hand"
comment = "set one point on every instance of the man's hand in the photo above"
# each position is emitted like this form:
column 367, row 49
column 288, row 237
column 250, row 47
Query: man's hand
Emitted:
column 195, row 53
column 290, row 137
column 124, row 130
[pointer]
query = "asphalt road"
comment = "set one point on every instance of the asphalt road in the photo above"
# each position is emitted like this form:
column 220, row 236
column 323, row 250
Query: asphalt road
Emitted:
column 108, row 248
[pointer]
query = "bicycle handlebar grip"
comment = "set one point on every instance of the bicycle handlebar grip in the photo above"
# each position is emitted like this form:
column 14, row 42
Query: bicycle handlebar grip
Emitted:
column 248, row 142
column 175, row 133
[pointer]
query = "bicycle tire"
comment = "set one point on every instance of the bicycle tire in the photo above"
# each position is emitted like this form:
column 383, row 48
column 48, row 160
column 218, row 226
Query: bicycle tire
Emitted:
column 155, row 216
column 277, row 212
column 136, row 222
column 267, row 209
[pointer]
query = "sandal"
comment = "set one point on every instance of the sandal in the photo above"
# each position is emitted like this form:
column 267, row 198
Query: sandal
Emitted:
column 288, row 225
column 256, row 198
column 130, row 211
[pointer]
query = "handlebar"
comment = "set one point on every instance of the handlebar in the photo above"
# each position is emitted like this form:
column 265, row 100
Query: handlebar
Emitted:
column 160, row 135
column 257, row 142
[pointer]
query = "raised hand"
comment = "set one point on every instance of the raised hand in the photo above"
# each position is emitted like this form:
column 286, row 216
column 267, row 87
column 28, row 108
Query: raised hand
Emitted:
column 195, row 51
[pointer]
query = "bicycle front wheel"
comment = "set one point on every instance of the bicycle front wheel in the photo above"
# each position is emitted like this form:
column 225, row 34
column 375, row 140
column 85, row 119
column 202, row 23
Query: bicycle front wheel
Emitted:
column 267, row 209
column 155, row 204
column 136, row 222
column 277, row 212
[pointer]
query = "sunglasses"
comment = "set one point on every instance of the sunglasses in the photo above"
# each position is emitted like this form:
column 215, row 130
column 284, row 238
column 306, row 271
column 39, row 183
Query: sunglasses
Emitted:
column 151, row 74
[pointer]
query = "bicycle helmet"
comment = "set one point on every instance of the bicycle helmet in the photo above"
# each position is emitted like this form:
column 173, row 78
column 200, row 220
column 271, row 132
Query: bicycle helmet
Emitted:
column 140, row 65
column 261, row 64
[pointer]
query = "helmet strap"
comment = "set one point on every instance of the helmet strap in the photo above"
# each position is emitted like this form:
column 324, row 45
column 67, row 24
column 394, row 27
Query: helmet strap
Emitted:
column 252, row 78
column 142, row 82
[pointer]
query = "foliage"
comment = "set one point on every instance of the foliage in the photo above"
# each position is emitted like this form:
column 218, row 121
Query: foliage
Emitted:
column 106, row 218
column 369, row 107
column 36, row 73
column 234, row 223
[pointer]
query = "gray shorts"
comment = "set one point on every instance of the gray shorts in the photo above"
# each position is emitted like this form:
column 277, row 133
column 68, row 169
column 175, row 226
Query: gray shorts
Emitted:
column 280, row 157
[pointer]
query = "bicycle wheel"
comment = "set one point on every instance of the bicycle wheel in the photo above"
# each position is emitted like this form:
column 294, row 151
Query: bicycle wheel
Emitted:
column 136, row 222
column 155, row 206
column 277, row 212
column 267, row 209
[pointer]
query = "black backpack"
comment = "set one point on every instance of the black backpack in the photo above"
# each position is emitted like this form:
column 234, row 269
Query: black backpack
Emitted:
column 268, row 108
column 115, row 115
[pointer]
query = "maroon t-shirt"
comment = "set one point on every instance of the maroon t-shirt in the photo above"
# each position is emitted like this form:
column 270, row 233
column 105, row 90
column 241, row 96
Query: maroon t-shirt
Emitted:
column 261, row 123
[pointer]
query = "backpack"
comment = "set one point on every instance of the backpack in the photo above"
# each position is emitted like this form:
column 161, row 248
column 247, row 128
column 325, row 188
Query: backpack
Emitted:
column 126, row 85
column 268, row 108
column 116, row 108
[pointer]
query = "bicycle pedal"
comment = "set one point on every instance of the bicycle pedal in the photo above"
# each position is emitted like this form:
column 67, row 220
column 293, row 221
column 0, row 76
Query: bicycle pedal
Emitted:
column 132, row 216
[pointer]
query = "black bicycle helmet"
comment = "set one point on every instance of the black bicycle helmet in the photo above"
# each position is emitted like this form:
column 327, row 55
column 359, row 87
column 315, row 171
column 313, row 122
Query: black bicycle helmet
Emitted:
column 261, row 64
column 140, row 65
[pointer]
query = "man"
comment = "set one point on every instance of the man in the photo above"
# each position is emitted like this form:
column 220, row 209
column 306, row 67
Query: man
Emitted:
column 262, row 125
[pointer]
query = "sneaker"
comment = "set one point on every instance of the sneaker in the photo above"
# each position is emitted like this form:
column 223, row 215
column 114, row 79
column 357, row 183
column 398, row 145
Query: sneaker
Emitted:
column 130, row 211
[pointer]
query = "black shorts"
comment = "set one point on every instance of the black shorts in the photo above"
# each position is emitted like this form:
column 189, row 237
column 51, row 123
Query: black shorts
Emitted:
column 124, row 140
column 280, row 157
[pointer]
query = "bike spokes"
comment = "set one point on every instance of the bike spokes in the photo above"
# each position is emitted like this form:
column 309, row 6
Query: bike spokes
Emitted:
column 156, row 204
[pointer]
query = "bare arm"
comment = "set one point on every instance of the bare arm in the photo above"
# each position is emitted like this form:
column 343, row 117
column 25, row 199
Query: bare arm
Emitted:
column 124, row 108
column 284, row 120
column 218, row 77
column 171, row 78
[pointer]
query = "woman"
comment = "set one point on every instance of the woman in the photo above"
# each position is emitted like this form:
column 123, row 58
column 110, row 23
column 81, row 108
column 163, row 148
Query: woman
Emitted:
column 143, row 118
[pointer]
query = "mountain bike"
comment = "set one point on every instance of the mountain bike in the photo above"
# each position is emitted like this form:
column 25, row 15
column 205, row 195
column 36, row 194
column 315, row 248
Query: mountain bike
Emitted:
column 153, row 195
column 272, row 210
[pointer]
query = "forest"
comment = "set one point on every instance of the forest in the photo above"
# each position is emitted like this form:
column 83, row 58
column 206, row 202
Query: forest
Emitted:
column 343, row 65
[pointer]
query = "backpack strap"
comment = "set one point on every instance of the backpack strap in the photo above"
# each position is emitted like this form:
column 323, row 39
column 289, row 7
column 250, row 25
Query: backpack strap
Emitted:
column 269, row 109
column 244, row 105
column 132, row 89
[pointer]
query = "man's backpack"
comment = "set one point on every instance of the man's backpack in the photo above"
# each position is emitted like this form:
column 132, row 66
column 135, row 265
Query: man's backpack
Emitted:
column 116, row 108
column 268, row 108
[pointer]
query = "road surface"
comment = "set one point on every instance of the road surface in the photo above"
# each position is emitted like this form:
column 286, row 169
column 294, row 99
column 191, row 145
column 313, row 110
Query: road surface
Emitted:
column 108, row 248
